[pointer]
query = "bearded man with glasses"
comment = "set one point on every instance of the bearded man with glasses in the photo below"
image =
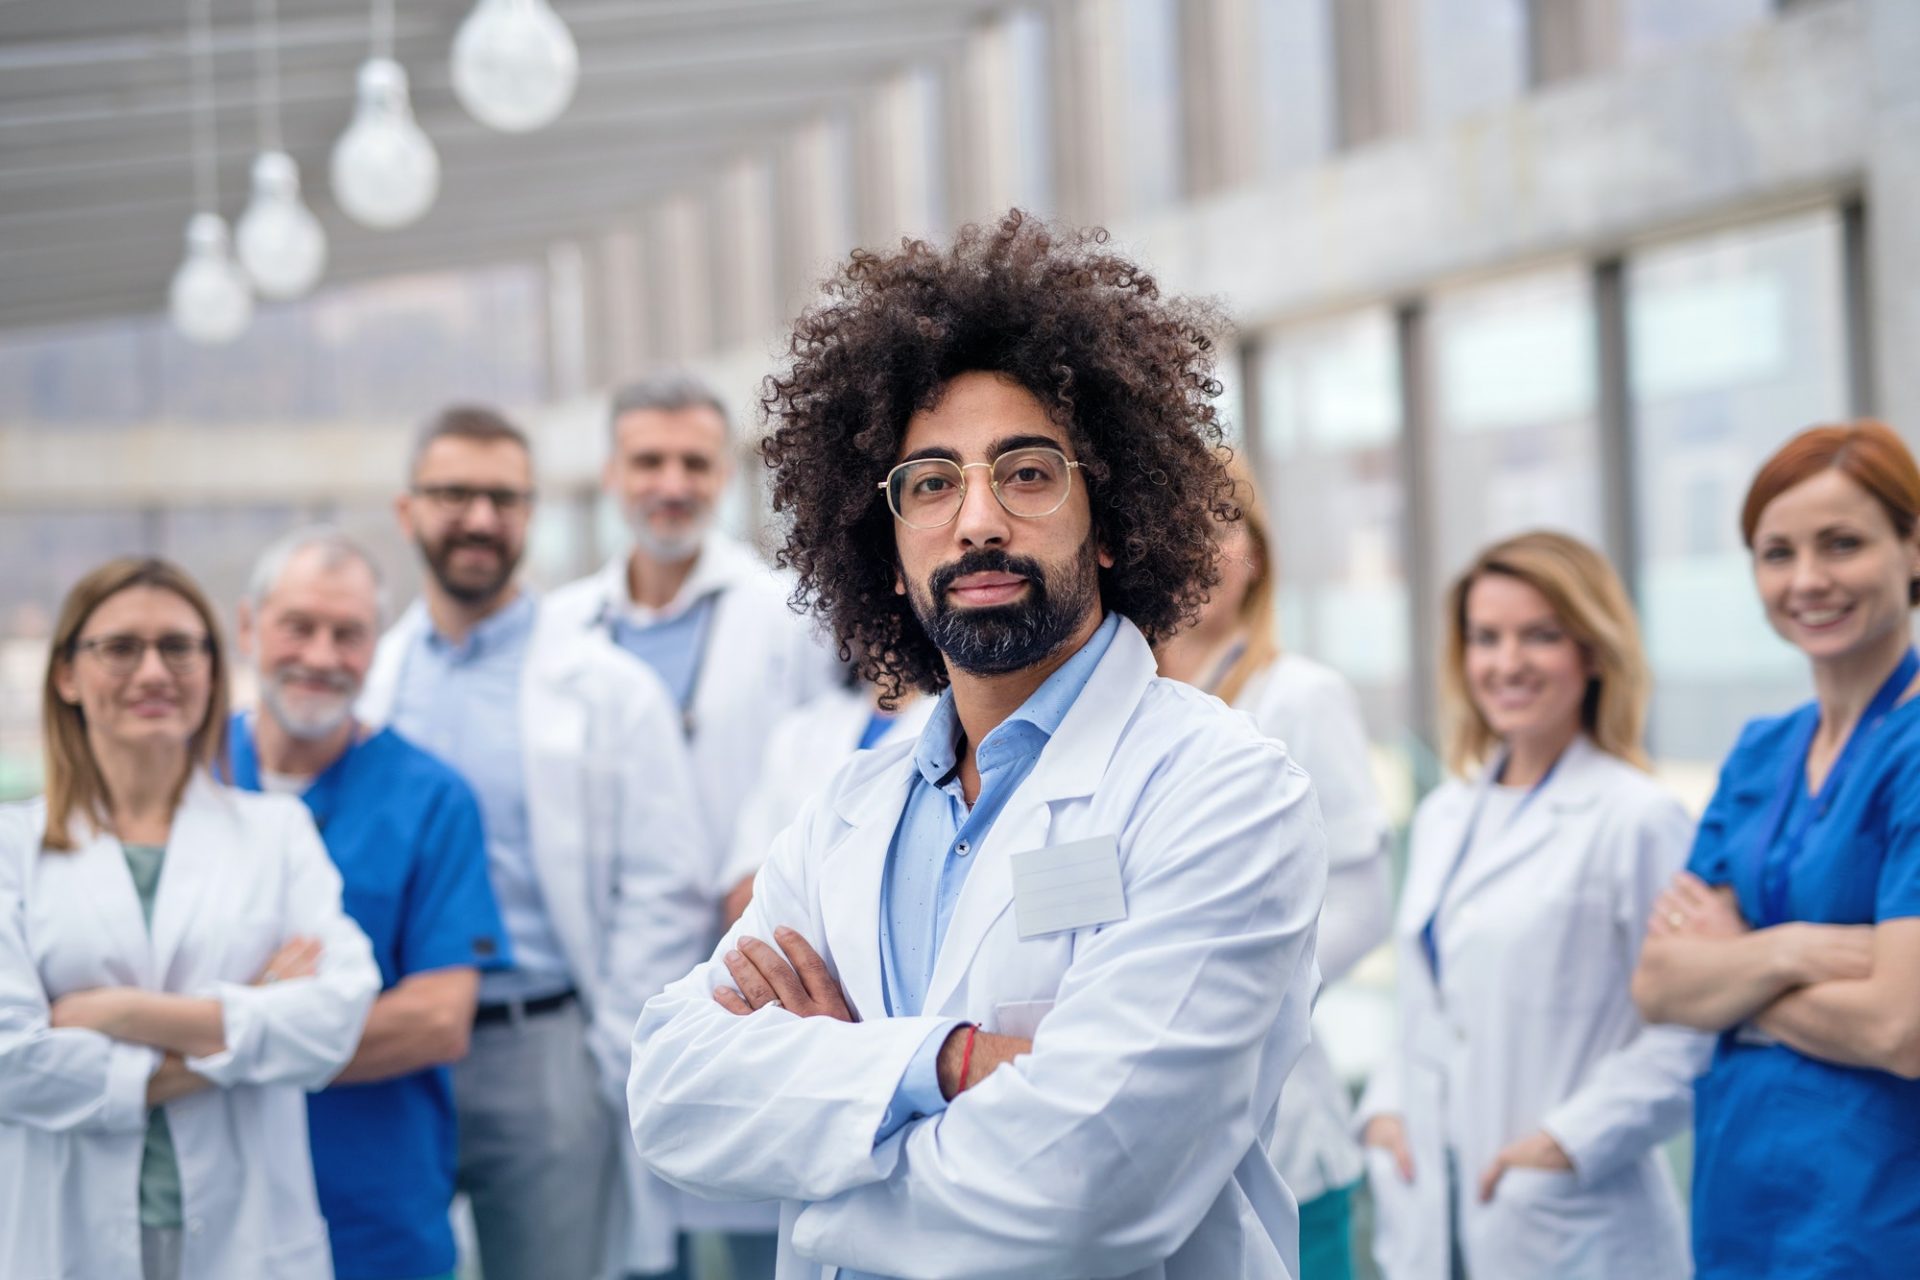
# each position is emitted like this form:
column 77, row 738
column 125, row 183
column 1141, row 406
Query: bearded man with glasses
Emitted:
column 1017, row 998
column 594, row 848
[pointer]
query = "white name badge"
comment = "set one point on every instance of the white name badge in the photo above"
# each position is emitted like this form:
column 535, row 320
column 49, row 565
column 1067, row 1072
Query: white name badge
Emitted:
column 1068, row 886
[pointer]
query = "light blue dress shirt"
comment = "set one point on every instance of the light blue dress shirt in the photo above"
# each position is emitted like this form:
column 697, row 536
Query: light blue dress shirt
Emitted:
column 931, row 854
column 673, row 647
column 462, row 703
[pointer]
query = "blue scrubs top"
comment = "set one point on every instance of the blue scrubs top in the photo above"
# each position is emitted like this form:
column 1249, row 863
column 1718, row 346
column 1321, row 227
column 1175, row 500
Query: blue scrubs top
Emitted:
column 1805, row 1168
column 404, row 830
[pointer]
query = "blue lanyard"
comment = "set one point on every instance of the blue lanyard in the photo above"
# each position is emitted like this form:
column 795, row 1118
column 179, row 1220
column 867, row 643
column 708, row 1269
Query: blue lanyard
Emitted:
column 1429, row 938
column 1781, row 848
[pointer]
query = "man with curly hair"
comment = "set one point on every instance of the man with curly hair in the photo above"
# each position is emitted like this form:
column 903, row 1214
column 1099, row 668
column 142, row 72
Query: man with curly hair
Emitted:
column 1017, row 998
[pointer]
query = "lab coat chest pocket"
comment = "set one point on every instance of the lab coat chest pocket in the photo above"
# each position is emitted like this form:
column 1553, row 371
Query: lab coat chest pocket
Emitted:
column 83, row 925
column 1015, row 982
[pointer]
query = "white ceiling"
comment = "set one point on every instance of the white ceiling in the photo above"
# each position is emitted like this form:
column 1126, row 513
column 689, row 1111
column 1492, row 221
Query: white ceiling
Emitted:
column 96, row 125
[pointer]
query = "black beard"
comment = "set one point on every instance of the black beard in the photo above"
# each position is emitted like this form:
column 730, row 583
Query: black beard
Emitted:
column 439, row 560
column 994, row 640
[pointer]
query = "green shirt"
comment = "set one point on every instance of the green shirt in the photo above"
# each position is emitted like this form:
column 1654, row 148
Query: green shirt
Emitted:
column 159, row 1170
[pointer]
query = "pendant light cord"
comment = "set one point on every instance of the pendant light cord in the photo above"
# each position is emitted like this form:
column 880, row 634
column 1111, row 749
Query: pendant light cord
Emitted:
column 266, row 57
column 206, row 192
column 383, row 28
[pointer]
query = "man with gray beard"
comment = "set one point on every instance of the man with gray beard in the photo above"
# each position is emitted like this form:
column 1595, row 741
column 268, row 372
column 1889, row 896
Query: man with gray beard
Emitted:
column 405, row 831
column 699, row 607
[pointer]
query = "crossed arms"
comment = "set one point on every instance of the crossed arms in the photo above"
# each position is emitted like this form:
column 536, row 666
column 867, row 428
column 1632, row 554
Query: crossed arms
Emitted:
column 1848, row 994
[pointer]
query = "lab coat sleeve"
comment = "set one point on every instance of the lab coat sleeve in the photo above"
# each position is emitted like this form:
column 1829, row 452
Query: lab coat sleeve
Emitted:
column 1318, row 717
column 304, row 1030
column 57, row 1079
column 1319, row 721
column 663, row 915
column 1642, row 1093
column 770, row 1105
column 769, row 805
column 1066, row 1162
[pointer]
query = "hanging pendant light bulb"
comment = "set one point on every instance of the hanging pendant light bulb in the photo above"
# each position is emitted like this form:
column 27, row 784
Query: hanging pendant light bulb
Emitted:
column 515, row 65
column 208, row 299
column 385, row 171
column 280, row 241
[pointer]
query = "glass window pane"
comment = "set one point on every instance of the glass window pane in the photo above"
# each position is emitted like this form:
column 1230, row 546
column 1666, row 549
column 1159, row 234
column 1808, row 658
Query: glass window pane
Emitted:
column 1653, row 27
column 358, row 351
column 1031, row 110
column 1295, row 77
column 218, row 546
column 1516, row 442
column 1150, row 70
column 1735, row 342
column 1473, row 55
column 1330, row 451
column 45, row 553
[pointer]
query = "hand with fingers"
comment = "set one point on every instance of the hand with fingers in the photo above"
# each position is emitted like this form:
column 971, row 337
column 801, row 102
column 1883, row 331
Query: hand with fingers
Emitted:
column 1691, row 906
column 1388, row 1132
column 298, row 957
column 797, row 981
column 1538, row 1150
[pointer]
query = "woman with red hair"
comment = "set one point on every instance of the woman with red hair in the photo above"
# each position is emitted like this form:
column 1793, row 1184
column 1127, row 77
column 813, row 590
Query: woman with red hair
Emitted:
column 1795, row 931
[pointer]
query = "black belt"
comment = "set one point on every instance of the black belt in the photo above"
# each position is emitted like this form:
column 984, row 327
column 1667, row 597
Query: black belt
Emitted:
column 514, row 1010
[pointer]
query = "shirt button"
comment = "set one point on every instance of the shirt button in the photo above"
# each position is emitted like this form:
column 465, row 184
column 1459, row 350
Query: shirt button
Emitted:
column 962, row 848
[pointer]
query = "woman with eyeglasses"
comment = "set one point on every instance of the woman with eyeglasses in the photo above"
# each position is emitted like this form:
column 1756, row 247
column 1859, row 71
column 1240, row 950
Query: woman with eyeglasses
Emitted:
column 175, row 968
column 1232, row 652
column 1794, row 933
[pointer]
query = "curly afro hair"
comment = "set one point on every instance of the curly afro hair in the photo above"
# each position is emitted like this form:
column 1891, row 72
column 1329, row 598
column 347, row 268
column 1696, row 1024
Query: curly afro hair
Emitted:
column 1126, row 373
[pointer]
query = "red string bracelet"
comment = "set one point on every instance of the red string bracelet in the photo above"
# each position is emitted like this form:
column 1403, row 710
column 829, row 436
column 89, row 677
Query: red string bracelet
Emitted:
column 966, row 1057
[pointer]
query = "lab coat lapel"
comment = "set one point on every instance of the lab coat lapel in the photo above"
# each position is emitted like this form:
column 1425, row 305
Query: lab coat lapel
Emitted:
column 987, row 893
column 106, row 885
column 377, row 695
column 1450, row 812
column 563, row 816
column 1565, row 792
column 202, row 826
column 850, row 880
column 1070, row 766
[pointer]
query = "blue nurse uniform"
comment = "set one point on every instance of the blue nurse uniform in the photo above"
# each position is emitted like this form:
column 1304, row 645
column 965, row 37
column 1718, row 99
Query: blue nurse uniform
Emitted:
column 1806, row 1168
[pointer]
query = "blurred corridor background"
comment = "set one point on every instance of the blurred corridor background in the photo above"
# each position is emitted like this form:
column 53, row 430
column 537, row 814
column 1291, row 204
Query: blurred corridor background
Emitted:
column 1492, row 264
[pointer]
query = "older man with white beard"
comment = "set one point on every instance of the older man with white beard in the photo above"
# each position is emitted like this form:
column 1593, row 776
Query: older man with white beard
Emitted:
column 405, row 832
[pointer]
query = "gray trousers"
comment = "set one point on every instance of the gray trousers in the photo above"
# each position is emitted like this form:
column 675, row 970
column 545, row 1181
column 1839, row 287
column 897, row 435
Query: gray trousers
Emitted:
column 537, row 1152
column 159, row 1253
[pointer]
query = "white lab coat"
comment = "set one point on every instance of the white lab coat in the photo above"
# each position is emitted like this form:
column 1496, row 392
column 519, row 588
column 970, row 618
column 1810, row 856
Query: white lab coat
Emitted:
column 243, row 874
column 1532, row 1027
column 1129, row 1141
column 1311, row 709
column 805, row 749
column 617, row 844
column 762, row 660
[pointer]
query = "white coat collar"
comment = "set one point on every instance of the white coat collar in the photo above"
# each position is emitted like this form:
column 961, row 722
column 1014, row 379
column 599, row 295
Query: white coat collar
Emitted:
column 1576, row 784
column 874, row 794
column 722, row 564
column 201, row 829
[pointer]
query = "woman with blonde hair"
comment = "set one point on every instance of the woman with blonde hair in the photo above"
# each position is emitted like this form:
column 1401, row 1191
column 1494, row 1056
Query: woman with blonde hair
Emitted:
column 1232, row 651
column 1515, row 1132
column 175, row 968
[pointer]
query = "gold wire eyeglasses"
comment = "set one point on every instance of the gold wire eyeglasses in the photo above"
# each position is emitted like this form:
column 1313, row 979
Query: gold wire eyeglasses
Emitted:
column 925, row 493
